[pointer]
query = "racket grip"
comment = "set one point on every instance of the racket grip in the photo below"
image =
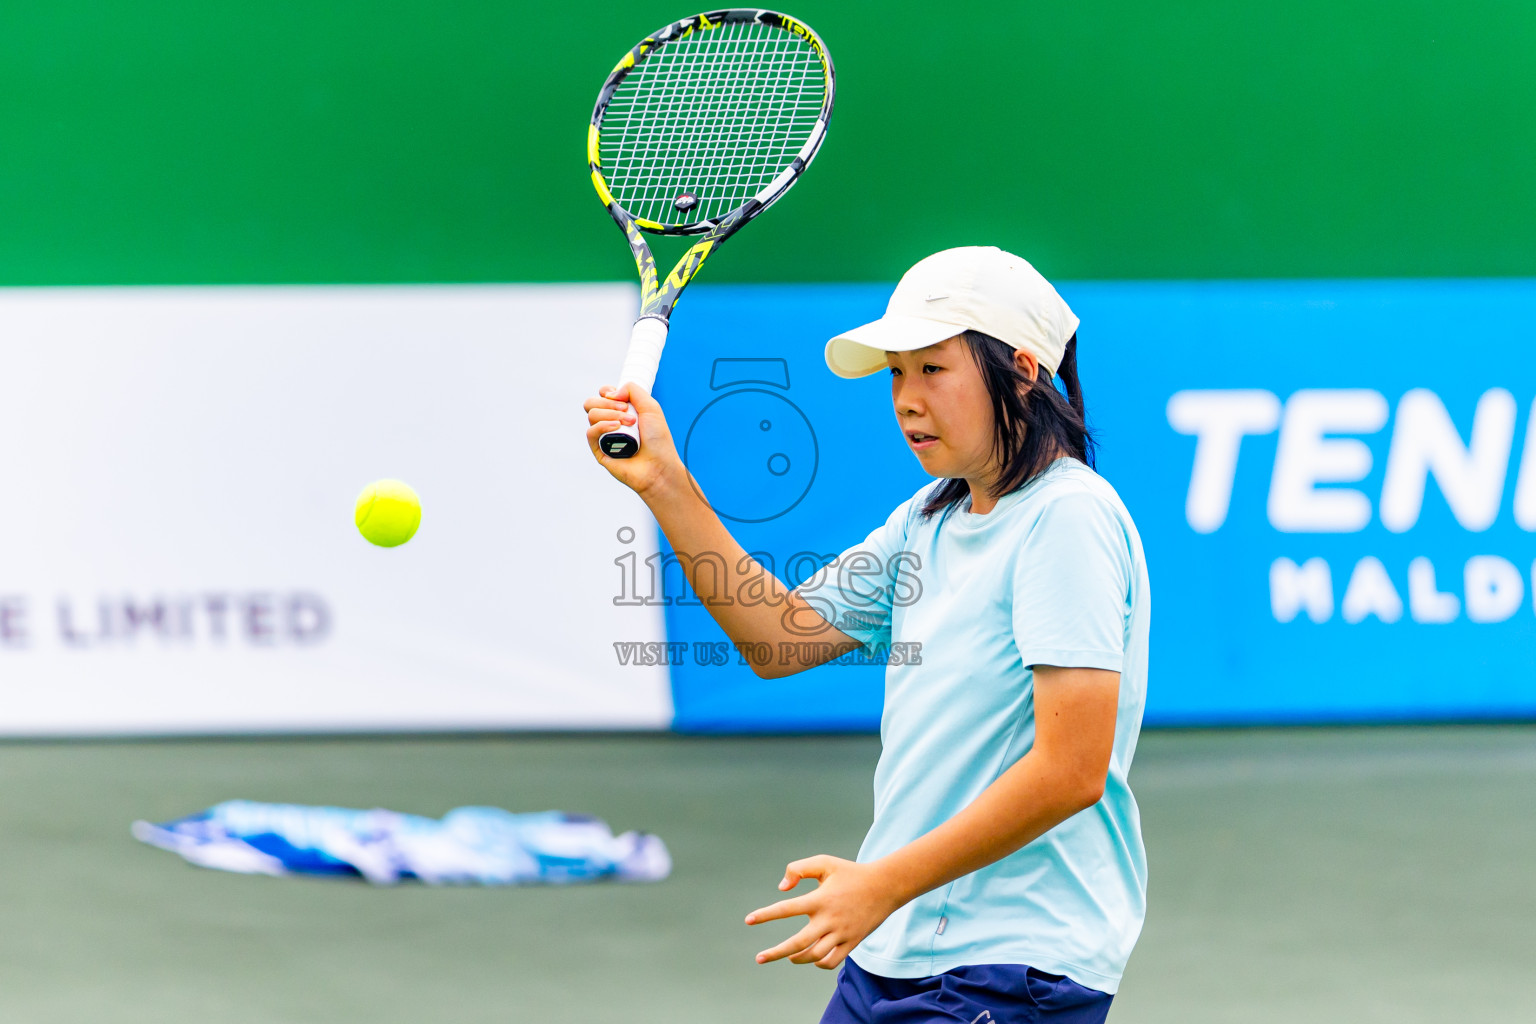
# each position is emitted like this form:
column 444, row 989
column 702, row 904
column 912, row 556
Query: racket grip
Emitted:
column 640, row 362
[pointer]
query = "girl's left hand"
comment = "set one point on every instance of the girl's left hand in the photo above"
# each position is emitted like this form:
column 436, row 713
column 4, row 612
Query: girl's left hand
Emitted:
column 849, row 903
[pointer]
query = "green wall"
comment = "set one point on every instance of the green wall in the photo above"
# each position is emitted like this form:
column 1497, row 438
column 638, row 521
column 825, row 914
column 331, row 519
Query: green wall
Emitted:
column 344, row 141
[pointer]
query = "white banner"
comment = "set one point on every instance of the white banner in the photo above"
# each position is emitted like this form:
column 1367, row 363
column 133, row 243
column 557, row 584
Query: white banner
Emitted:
column 177, row 551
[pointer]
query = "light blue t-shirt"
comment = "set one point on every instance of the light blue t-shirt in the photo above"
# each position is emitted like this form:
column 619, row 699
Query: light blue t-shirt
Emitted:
column 1053, row 575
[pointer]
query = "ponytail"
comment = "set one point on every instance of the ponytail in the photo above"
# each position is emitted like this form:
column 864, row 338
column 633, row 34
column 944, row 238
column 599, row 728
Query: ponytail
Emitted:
column 1067, row 372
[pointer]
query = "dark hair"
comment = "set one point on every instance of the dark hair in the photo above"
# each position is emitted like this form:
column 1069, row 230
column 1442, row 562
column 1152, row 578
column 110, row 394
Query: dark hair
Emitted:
column 1033, row 423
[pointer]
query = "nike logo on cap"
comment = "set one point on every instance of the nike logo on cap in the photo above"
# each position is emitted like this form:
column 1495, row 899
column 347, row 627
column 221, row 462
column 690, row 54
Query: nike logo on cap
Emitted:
column 936, row 295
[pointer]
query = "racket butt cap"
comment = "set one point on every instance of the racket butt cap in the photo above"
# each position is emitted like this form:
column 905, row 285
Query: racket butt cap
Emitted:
column 618, row 445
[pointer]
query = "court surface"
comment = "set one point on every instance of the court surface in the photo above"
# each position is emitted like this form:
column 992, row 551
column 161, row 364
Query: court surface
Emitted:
column 1307, row 875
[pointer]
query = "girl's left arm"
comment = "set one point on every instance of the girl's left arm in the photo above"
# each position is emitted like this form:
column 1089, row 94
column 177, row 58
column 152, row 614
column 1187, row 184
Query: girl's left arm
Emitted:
column 1062, row 774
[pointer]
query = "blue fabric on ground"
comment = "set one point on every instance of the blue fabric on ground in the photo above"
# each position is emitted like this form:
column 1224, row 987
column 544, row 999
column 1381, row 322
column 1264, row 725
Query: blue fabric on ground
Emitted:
column 983, row 994
column 469, row 845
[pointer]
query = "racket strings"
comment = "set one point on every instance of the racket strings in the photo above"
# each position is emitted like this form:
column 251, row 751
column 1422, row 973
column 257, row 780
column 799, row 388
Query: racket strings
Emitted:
column 717, row 116
column 704, row 121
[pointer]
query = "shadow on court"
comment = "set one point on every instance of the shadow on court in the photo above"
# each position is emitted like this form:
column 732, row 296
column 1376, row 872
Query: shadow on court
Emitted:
column 1321, row 875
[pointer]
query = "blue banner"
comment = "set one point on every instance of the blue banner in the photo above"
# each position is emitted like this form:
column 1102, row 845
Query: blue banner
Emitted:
column 1333, row 481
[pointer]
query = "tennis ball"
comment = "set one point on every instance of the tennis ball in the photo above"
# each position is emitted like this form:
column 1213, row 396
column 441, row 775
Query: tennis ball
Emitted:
column 388, row 512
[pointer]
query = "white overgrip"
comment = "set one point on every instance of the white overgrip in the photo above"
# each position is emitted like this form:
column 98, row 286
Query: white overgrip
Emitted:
column 646, row 341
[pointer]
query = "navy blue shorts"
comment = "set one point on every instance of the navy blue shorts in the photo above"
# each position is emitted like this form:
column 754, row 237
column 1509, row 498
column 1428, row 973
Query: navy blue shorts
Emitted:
column 985, row 994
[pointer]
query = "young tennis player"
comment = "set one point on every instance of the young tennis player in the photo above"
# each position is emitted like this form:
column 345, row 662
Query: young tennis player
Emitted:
column 1003, row 878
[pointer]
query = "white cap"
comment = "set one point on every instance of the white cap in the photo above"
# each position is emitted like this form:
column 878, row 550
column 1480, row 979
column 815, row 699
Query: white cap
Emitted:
column 972, row 288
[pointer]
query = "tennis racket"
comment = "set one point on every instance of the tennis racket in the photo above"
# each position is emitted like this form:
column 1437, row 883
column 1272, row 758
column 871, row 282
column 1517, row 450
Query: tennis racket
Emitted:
column 700, row 128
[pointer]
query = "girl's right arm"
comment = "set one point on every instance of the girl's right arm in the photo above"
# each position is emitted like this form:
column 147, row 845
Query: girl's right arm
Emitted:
column 772, row 618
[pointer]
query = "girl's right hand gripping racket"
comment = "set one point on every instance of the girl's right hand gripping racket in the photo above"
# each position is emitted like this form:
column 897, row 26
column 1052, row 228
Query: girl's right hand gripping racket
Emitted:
column 696, row 131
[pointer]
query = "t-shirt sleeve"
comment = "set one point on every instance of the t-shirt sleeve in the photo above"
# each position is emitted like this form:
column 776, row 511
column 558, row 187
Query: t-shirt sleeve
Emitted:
column 856, row 590
column 1071, row 586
